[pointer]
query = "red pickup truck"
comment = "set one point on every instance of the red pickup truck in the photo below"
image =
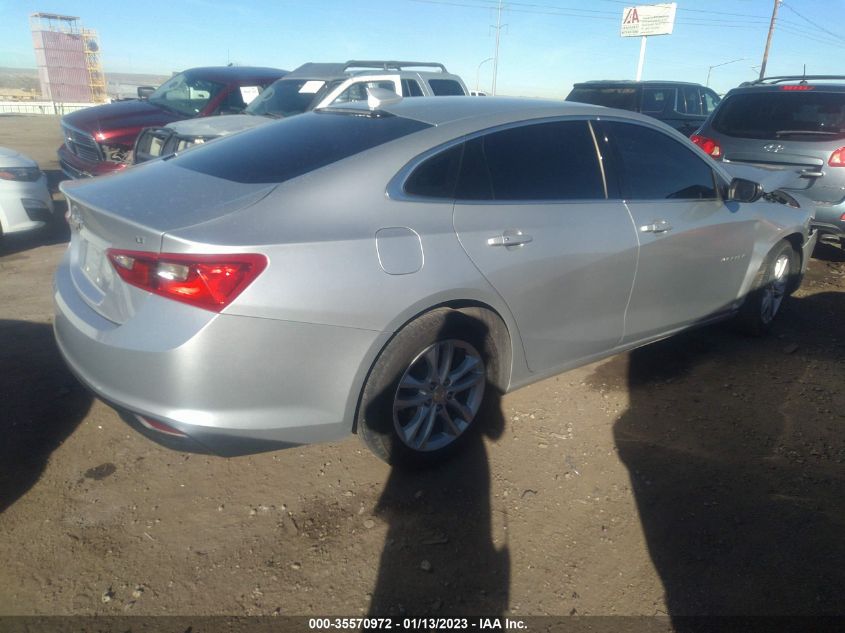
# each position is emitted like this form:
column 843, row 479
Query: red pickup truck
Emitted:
column 99, row 140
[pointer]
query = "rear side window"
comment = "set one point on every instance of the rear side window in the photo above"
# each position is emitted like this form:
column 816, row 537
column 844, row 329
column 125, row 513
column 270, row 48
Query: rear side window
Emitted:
column 655, row 166
column 289, row 148
column 436, row 177
column 622, row 98
column 655, row 100
column 544, row 161
column 446, row 88
column 805, row 115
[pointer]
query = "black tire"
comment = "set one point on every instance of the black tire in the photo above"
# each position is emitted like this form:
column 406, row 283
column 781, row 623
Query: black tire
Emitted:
column 775, row 281
column 387, row 427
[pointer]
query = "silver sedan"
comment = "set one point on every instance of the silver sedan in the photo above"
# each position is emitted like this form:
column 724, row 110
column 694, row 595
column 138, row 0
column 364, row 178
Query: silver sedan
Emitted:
column 386, row 267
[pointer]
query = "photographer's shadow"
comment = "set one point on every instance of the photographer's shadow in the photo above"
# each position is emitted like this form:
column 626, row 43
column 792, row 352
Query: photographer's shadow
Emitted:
column 439, row 557
column 735, row 451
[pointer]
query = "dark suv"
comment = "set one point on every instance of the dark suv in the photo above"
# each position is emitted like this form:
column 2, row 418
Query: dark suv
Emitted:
column 682, row 105
column 794, row 125
column 99, row 140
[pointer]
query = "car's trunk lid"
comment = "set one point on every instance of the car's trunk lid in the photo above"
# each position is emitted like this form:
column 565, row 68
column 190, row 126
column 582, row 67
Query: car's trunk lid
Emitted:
column 134, row 211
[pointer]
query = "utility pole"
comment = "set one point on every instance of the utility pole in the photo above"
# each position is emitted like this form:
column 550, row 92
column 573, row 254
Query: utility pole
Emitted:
column 769, row 38
column 498, row 28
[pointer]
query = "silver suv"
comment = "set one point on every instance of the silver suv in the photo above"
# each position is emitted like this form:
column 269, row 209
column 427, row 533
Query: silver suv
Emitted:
column 309, row 87
column 795, row 125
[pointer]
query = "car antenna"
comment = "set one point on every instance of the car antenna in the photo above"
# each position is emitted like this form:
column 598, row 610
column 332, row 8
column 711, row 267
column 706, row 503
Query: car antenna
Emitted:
column 804, row 77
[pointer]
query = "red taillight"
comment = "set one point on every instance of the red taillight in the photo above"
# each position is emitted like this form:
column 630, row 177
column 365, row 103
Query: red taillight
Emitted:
column 708, row 145
column 798, row 88
column 159, row 426
column 837, row 159
column 207, row 281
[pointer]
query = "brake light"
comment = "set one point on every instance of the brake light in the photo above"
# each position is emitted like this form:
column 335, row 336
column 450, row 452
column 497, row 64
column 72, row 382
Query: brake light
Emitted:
column 210, row 282
column 708, row 145
column 798, row 88
column 837, row 159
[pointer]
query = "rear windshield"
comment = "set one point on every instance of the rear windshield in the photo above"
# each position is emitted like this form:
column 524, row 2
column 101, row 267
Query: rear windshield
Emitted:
column 623, row 98
column 798, row 115
column 292, row 147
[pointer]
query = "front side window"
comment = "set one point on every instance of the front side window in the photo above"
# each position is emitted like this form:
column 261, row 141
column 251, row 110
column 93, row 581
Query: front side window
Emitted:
column 688, row 100
column 543, row 161
column 655, row 166
column 709, row 100
column 446, row 88
column 410, row 88
column 358, row 91
column 185, row 94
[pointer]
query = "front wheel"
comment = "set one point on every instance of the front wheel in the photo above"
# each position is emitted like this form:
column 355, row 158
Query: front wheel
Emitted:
column 774, row 283
column 424, row 394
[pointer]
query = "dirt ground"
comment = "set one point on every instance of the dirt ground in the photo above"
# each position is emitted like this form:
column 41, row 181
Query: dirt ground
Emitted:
column 701, row 475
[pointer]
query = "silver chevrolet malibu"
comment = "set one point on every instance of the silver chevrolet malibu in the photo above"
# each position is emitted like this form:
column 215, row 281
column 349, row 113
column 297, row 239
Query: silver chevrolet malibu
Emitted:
column 386, row 268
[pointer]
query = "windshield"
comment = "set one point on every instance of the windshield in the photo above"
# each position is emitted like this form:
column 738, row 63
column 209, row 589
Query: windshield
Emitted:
column 623, row 98
column 287, row 97
column 185, row 94
column 798, row 115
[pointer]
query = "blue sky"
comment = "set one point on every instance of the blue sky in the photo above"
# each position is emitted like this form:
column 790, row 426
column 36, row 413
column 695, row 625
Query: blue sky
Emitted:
column 546, row 46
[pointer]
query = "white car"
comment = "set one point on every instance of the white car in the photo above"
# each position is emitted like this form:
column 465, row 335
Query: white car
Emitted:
column 25, row 201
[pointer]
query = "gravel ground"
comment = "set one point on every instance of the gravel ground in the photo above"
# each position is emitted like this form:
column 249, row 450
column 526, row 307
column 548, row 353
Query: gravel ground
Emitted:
column 700, row 475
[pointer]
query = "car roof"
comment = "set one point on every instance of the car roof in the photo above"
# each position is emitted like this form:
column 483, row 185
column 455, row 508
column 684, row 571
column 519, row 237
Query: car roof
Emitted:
column 630, row 82
column 444, row 110
column 336, row 70
column 787, row 83
column 237, row 73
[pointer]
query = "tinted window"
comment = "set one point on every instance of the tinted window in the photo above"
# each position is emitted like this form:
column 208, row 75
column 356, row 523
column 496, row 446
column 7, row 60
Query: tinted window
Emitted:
column 623, row 98
column 436, row 177
column 446, row 87
column 186, row 93
column 799, row 115
column 289, row 148
column 544, row 161
column 410, row 88
column 655, row 166
column 655, row 99
column 688, row 100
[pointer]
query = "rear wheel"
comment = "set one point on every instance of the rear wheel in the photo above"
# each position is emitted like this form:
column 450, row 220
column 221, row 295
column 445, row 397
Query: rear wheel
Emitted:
column 774, row 283
column 424, row 394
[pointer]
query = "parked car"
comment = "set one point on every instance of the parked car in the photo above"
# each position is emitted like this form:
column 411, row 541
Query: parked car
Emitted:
column 682, row 105
column 792, row 124
column 155, row 142
column 384, row 267
column 99, row 140
column 25, row 201
column 308, row 87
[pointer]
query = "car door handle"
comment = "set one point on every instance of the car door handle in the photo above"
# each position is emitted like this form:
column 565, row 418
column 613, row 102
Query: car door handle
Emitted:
column 660, row 226
column 811, row 173
column 515, row 239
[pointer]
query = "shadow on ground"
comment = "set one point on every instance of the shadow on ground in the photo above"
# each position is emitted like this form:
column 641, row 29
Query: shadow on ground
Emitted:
column 736, row 454
column 439, row 558
column 42, row 404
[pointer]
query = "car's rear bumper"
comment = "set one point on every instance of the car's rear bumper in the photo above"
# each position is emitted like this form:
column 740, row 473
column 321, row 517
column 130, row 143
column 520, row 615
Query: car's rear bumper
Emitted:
column 230, row 384
column 75, row 167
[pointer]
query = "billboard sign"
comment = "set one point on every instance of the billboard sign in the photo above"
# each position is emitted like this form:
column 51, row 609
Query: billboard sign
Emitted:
column 649, row 19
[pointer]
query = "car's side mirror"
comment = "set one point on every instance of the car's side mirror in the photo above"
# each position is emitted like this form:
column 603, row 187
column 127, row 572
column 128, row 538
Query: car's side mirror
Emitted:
column 145, row 91
column 742, row 190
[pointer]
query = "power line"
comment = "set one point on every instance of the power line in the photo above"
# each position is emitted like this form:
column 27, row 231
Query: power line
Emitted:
column 809, row 21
